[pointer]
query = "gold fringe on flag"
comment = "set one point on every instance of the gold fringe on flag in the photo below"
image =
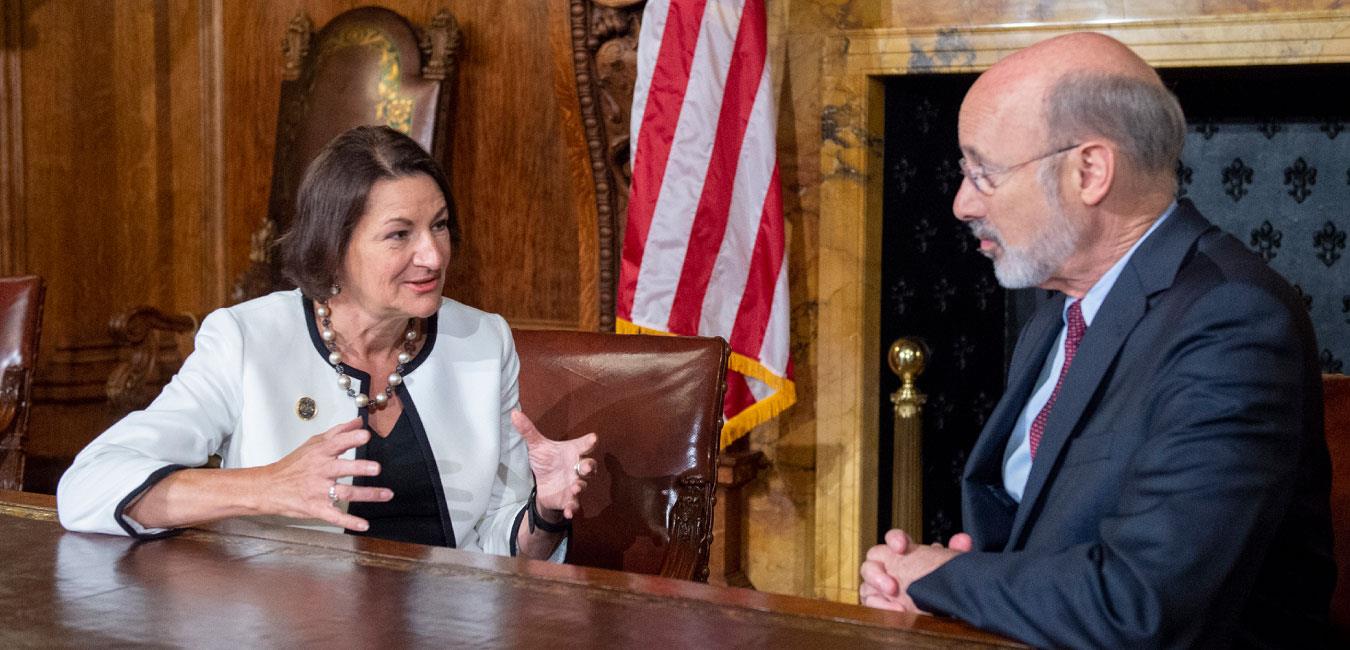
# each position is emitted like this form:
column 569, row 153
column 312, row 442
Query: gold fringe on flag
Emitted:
column 785, row 391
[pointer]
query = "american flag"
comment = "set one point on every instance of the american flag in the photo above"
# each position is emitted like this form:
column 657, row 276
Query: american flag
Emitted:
column 703, row 253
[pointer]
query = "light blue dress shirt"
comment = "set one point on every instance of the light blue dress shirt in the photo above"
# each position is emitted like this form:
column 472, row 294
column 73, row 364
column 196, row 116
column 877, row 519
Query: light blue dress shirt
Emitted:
column 1017, row 453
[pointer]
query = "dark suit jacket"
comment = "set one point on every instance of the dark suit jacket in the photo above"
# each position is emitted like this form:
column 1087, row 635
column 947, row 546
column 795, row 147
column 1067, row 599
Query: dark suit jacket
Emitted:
column 1179, row 496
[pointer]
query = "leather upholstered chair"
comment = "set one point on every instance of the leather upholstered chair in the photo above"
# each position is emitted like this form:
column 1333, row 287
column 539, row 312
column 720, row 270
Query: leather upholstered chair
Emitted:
column 366, row 66
column 20, row 327
column 655, row 403
column 1336, row 398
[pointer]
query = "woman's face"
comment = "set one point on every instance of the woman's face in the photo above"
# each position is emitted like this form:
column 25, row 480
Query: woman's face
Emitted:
column 396, row 259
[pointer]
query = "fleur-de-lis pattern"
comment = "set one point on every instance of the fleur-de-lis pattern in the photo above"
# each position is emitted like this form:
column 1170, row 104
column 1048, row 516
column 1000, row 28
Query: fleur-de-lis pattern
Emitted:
column 963, row 352
column 1265, row 240
column 943, row 293
column 1270, row 128
column 902, row 292
column 1330, row 241
column 938, row 287
column 925, row 114
column 1300, row 178
column 926, row 231
column 1236, row 177
column 949, row 177
column 900, row 174
column 1281, row 186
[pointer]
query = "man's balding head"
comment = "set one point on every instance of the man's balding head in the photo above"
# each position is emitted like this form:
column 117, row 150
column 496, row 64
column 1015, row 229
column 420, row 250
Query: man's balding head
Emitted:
column 1085, row 85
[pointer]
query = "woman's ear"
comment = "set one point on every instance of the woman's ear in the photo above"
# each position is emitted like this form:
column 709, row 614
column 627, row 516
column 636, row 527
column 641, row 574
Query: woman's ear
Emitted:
column 1094, row 167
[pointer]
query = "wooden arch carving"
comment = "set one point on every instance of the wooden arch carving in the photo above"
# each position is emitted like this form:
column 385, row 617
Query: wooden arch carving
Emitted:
column 604, row 58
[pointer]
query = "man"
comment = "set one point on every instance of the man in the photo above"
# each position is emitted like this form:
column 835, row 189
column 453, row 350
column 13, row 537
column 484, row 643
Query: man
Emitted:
column 1156, row 472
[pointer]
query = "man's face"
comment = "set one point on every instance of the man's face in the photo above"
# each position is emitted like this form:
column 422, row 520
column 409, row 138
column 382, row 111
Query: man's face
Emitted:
column 1023, row 226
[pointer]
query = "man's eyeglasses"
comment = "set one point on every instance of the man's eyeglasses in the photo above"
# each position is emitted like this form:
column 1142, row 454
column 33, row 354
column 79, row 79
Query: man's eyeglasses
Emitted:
column 981, row 176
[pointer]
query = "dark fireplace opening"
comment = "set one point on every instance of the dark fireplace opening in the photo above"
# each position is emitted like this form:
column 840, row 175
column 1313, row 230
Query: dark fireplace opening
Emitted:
column 1267, row 158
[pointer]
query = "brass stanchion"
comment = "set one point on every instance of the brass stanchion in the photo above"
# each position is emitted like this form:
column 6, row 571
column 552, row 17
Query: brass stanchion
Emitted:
column 906, row 358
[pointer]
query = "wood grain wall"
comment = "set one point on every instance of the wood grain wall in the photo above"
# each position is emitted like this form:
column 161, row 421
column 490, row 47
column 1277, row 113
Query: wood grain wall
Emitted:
column 136, row 158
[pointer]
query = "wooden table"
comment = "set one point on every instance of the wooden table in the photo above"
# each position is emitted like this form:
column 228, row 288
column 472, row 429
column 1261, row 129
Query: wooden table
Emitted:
column 238, row 584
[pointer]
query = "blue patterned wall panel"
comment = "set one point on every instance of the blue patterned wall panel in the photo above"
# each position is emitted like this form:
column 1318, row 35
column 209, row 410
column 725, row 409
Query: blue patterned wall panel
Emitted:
column 1284, row 192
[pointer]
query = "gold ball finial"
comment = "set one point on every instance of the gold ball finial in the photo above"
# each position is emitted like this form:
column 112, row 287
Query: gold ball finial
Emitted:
column 906, row 357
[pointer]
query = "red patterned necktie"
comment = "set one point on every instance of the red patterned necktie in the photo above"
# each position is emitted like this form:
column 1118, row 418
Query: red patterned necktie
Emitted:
column 1077, row 327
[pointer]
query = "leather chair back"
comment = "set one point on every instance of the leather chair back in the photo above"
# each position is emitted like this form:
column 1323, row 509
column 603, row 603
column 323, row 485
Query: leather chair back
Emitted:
column 20, row 327
column 655, row 402
column 1336, row 401
column 367, row 66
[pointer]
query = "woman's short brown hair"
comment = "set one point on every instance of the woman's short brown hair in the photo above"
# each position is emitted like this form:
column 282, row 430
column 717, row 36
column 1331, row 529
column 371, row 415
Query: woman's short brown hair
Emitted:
column 333, row 195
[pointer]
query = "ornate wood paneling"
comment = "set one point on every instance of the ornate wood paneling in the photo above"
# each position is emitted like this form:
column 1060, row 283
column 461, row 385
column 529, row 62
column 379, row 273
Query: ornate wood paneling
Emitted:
column 603, row 58
column 106, row 194
column 136, row 145
column 507, row 164
column 11, row 142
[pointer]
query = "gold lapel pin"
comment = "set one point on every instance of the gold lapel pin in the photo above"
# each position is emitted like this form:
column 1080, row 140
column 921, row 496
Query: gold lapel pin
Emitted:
column 305, row 408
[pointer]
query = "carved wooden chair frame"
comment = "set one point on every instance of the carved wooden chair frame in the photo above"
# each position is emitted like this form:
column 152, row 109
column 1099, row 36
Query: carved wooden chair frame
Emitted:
column 16, row 385
column 149, row 336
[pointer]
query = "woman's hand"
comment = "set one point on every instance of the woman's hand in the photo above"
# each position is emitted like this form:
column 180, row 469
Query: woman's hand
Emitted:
column 560, row 468
column 299, row 484
column 295, row 486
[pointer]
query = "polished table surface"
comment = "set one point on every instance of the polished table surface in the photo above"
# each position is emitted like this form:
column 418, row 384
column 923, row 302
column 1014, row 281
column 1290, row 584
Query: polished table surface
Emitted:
column 242, row 584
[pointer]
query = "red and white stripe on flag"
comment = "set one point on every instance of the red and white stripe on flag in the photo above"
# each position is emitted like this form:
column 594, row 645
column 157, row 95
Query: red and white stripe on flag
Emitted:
column 703, row 253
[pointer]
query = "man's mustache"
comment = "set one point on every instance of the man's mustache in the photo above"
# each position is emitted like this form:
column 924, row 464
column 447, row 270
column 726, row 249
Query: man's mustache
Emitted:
column 983, row 231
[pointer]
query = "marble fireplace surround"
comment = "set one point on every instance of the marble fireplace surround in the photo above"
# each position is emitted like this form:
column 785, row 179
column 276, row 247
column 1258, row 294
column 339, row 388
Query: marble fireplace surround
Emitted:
column 852, row 93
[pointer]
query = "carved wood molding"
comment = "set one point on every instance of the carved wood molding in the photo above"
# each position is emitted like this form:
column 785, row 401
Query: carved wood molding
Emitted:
column 690, row 530
column 439, row 43
column 12, row 244
column 604, row 55
column 13, row 420
column 261, row 276
column 146, row 332
column 295, row 45
column 79, row 374
column 211, row 30
column 10, row 401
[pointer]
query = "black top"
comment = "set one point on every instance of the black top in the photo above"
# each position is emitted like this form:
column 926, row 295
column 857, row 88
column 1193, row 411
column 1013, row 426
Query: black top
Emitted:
column 414, row 513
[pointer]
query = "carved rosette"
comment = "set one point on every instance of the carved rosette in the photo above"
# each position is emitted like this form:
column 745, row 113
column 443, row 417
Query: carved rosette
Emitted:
column 604, row 56
column 440, row 45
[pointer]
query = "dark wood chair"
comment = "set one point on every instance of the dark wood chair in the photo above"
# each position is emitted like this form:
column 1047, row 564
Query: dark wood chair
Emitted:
column 655, row 403
column 366, row 66
column 1336, row 398
column 20, row 328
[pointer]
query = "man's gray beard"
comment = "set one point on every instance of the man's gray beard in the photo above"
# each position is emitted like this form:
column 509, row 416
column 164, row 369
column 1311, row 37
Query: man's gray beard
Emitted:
column 1031, row 265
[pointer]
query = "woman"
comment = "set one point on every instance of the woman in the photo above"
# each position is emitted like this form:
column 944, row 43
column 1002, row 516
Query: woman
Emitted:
column 363, row 399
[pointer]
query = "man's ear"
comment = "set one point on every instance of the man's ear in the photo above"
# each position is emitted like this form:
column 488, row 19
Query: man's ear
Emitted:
column 1094, row 170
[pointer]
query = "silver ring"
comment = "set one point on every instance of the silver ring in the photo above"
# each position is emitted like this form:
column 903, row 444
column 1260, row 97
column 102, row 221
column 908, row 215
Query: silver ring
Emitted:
column 332, row 495
column 577, row 468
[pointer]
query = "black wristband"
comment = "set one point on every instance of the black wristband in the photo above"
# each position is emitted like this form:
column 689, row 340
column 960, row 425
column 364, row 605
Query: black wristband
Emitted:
column 537, row 521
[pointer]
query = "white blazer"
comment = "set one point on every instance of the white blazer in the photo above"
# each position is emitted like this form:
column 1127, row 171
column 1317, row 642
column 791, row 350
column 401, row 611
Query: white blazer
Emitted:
column 237, row 395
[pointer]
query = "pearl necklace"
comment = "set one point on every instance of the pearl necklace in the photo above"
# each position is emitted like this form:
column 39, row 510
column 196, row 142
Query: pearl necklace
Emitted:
column 344, row 380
